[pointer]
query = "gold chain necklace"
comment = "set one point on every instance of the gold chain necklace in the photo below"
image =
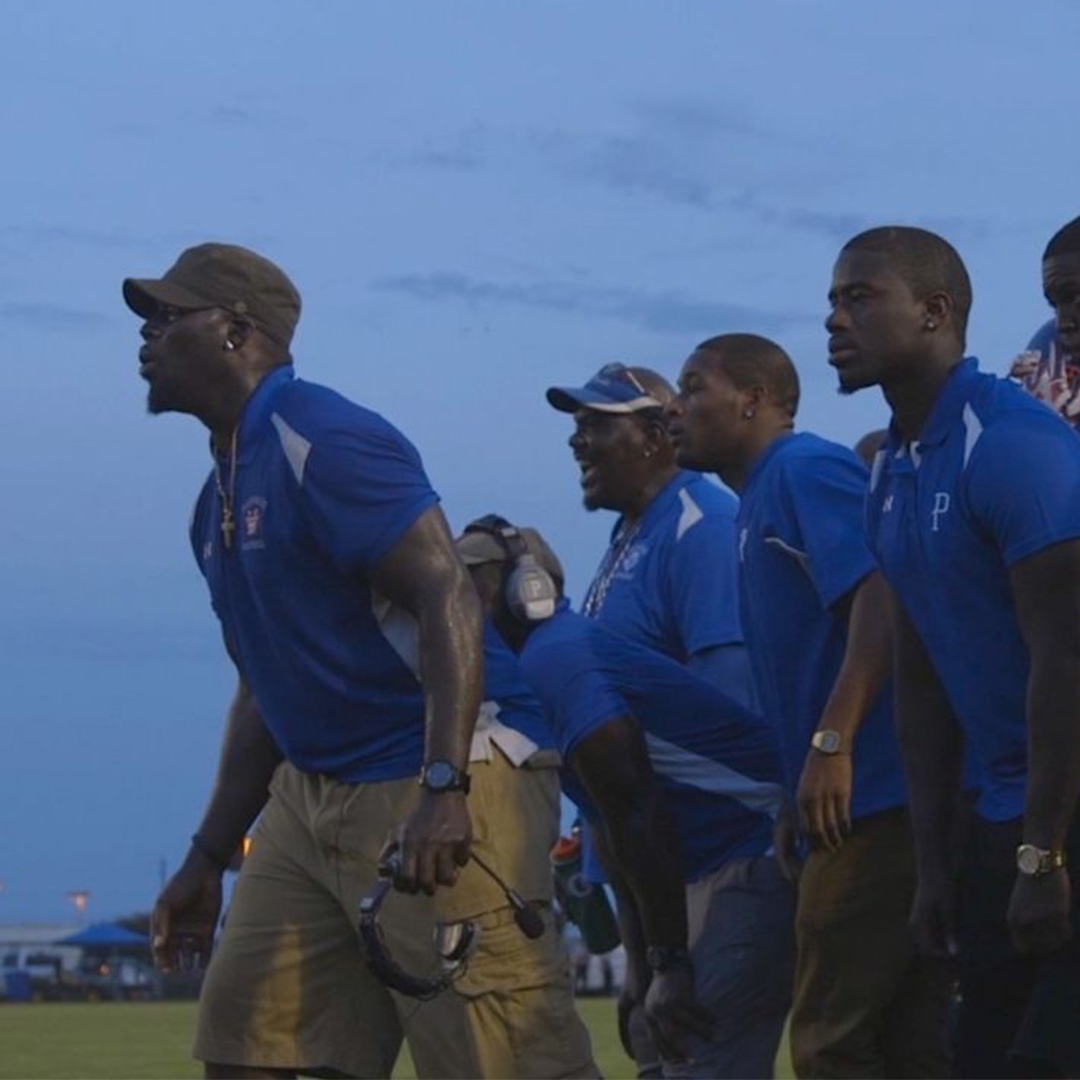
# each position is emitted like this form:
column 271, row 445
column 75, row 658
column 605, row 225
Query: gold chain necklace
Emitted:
column 228, row 523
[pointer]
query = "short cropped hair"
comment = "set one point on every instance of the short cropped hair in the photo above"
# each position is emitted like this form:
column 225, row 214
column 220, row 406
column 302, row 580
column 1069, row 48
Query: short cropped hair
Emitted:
column 752, row 360
column 1066, row 241
column 926, row 261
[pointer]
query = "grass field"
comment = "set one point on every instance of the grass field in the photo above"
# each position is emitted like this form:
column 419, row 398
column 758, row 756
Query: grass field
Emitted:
column 153, row 1040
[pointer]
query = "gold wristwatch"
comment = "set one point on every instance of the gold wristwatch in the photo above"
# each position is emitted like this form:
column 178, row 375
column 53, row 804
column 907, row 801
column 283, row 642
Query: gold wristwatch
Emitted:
column 1034, row 861
column 827, row 741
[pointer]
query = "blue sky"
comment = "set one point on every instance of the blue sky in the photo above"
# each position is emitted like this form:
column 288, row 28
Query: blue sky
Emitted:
column 476, row 201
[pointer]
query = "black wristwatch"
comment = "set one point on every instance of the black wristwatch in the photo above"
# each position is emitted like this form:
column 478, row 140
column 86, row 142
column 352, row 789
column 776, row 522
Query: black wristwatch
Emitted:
column 440, row 776
column 663, row 958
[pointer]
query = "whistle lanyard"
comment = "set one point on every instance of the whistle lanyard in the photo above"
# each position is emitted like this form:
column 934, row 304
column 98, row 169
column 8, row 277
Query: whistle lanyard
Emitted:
column 609, row 568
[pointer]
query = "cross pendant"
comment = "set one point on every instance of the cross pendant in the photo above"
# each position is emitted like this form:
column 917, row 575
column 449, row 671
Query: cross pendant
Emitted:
column 228, row 527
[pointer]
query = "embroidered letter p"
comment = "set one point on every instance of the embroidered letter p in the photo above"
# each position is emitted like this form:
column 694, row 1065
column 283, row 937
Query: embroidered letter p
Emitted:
column 942, row 499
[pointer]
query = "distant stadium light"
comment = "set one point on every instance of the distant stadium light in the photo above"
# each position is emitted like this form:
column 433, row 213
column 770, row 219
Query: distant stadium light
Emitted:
column 79, row 898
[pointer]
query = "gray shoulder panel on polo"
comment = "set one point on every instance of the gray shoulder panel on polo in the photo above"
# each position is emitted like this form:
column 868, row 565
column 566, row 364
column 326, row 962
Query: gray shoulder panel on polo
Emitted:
column 295, row 446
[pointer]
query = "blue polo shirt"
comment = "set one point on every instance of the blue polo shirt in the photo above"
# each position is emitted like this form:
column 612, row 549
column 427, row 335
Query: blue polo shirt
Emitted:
column 672, row 584
column 505, row 685
column 323, row 490
column 994, row 478
column 801, row 551
column 715, row 761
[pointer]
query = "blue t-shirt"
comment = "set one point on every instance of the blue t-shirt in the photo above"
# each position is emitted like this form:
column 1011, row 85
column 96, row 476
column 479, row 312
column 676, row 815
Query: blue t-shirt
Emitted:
column 323, row 490
column 716, row 762
column 670, row 583
column 801, row 551
column 506, row 687
column 994, row 478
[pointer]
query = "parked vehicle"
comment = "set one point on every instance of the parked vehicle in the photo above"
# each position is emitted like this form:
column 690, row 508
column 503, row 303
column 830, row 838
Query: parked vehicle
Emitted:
column 49, row 970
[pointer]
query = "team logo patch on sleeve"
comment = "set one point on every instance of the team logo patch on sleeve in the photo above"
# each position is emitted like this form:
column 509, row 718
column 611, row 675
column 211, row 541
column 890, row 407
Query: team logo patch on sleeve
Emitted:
column 253, row 517
column 629, row 563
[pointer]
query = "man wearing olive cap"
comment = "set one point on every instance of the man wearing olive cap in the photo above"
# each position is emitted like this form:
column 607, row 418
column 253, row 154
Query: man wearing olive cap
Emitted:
column 334, row 577
column 680, row 786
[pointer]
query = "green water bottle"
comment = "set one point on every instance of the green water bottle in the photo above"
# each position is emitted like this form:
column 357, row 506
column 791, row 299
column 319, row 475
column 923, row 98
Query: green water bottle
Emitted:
column 586, row 905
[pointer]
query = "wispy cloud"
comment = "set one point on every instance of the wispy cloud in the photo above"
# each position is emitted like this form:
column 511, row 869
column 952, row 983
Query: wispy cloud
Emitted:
column 682, row 152
column 665, row 312
column 695, row 117
column 234, row 116
column 466, row 151
column 50, row 317
column 628, row 165
column 835, row 225
column 70, row 234
column 243, row 117
column 966, row 230
column 713, row 158
column 31, row 236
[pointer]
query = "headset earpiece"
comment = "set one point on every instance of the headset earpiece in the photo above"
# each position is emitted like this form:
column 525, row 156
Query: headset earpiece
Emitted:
column 530, row 591
column 531, row 594
column 454, row 942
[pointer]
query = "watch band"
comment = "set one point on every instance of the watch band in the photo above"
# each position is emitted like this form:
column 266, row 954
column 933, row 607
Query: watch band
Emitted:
column 828, row 741
column 442, row 776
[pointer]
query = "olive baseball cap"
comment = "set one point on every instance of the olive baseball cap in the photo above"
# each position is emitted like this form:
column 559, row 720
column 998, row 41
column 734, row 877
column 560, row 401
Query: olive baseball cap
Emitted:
column 482, row 542
column 222, row 276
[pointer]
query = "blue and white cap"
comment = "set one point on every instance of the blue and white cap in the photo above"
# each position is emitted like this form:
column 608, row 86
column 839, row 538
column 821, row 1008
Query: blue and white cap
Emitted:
column 613, row 389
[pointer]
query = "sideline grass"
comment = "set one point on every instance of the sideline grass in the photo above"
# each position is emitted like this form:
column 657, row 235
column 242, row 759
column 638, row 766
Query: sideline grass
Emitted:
column 103, row 1040
column 55, row 1041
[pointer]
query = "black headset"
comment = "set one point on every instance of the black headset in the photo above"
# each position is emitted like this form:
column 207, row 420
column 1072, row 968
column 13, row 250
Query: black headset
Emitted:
column 454, row 942
column 531, row 592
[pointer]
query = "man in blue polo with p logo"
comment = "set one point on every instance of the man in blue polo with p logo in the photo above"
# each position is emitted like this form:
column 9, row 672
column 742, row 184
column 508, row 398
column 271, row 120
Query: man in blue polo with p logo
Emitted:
column 974, row 517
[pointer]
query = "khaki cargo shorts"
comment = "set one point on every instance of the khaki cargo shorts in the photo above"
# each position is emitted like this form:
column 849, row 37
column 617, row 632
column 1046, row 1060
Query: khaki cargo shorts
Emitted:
column 288, row 986
column 519, row 991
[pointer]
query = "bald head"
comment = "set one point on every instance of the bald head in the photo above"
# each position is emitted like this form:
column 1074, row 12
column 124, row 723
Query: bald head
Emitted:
column 737, row 394
column 751, row 360
column 926, row 262
column 1066, row 241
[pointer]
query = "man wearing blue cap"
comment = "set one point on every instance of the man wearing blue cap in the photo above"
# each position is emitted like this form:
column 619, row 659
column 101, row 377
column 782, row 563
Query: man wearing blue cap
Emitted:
column 667, row 579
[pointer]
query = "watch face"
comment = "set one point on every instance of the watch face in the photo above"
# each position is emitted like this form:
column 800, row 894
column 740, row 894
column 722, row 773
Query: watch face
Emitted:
column 828, row 742
column 439, row 774
column 1028, row 859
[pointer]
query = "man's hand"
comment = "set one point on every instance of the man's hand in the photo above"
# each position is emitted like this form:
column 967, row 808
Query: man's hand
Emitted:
column 185, row 916
column 434, row 843
column 636, row 1036
column 1039, row 912
column 630, row 998
column 933, row 917
column 674, row 1011
column 824, row 799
